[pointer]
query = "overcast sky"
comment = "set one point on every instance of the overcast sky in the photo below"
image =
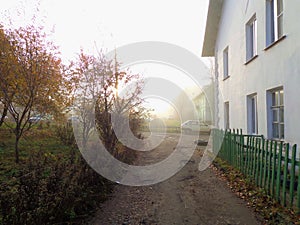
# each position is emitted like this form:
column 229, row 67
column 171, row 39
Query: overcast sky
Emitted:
column 113, row 23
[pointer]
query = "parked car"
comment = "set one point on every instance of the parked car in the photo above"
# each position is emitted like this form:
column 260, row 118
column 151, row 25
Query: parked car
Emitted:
column 190, row 126
column 38, row 118
column 35, row 119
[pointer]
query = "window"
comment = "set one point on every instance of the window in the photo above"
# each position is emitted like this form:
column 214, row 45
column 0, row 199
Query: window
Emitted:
column 252, row 114
column 276, row 114
column 226, row 115
column 251, row 38
column 225, row 63
column 274, row 20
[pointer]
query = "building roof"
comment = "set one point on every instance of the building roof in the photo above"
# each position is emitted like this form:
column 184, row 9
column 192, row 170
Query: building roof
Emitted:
column 212, row 27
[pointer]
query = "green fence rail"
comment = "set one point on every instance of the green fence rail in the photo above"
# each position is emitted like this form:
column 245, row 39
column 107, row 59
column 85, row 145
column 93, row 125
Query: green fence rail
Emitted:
column 271, row 164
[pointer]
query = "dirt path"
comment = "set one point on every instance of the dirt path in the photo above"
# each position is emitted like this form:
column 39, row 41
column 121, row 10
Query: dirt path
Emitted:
column 189, row 197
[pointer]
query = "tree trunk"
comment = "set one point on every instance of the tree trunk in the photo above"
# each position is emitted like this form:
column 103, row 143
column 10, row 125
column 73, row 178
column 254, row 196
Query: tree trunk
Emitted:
column 17, row 148
column 4, row 113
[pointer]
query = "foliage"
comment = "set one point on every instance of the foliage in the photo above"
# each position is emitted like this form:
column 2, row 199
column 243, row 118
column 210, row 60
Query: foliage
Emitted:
column 65, row 134
column 97, row 82
column 49, row 187
column 5, row 71
column 31, row 78
column 113, row 109
column 86, row 74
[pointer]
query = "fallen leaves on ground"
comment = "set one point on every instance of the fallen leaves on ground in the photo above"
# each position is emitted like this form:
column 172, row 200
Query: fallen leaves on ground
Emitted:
column 271, row 211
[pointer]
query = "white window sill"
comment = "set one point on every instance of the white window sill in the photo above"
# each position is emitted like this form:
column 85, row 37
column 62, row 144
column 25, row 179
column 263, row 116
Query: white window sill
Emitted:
column 251, row 59
column 277, row 139
column 275, row 42
column 225, row 78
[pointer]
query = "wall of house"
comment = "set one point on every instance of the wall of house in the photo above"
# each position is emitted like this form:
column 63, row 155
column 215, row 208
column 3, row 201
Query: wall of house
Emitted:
column 274, row 67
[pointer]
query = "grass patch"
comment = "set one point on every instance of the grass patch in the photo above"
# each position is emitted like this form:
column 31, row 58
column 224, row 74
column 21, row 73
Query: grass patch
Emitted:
column 34, row 141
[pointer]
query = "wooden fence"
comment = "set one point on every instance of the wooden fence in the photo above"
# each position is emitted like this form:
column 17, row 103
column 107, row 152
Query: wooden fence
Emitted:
column 272, row 165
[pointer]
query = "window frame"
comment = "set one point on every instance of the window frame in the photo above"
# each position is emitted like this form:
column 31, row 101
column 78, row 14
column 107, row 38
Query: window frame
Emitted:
column 276, row 109
column 274, row 28
column 226, row 63
column 252, row 114
column 226, row 115
column 251, row 38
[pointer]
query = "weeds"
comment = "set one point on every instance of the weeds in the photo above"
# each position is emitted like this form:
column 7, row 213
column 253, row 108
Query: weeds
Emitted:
column 49, row 186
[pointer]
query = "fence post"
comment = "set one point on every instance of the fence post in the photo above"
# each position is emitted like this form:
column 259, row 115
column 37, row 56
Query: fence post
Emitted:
column 278, row 177
column 256, row 160
column 234, row 149
column 298, row 190
column 266, row 164
column 238, row 148
column 229, row 147
column 248, row 155
column 270, row 152
column 242, row 154
column 273, row 169
column 221, row 134
column 292, row 180
column 261, row 160
column 223, row 143
column 253, row 153
column 286, row 161
column 238, row 142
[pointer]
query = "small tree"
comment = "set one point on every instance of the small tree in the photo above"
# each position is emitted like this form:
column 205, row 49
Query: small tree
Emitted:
column 7, row 62
column 109, row 102
column 35, row 82
column 85, row 77
column 96, row 82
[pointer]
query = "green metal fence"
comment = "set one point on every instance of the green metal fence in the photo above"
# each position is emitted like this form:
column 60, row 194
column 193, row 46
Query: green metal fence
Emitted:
column 272, row 165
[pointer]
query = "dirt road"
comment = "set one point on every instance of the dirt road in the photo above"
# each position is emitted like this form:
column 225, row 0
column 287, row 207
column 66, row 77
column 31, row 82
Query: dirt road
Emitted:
column 188, row 198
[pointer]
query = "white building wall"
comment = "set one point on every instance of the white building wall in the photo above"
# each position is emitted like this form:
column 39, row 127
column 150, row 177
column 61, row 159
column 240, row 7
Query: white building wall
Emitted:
column 274, row 67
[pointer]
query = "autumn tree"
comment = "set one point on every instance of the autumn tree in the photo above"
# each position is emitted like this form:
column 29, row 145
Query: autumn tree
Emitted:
column 85, row 77
column 7, row 62
column 34, row 84
column 96, row 81
column 111, row 105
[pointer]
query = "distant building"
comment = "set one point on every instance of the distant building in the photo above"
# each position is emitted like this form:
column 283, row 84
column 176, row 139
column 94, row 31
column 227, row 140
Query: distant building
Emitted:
column 204, row 103
column 184, row 109
column 256, row 46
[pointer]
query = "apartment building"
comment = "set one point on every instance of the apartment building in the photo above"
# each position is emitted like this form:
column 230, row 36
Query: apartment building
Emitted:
column 256, row 47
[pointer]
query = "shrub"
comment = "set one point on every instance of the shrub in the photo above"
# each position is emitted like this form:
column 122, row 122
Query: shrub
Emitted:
column 51, row 189
column 66, row 135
